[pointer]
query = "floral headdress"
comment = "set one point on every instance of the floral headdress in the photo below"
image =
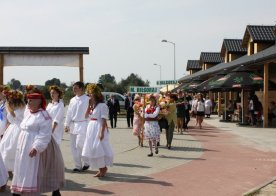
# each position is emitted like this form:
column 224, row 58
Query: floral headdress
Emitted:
column 14, row 95
column 95, row 90
column 5, row 89
column 57, row 89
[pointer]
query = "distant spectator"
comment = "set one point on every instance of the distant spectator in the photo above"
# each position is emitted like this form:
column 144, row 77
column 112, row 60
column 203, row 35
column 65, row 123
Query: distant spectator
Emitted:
column 271, row 111
column 129, row 109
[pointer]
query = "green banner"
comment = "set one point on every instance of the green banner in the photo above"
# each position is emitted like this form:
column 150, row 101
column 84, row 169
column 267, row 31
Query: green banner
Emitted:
column 144, row 89
column 166, row 82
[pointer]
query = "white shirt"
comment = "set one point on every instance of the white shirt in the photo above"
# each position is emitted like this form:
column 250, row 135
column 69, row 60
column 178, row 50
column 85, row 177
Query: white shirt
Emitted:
column 75, row 116
column 56, row 111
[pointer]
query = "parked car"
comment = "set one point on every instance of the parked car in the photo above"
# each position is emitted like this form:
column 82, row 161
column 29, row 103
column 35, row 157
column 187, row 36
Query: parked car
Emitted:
column 117, row 96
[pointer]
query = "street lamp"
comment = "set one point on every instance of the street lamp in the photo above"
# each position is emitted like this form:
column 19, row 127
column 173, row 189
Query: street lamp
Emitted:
column 173, row 55
column 160, row 72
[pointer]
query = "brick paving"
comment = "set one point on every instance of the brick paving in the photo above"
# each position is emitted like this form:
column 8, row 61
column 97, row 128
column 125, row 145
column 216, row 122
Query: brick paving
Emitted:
column 210, row 161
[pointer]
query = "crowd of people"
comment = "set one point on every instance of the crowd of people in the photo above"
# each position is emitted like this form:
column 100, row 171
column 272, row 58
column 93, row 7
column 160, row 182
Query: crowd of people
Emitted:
column 32, row 131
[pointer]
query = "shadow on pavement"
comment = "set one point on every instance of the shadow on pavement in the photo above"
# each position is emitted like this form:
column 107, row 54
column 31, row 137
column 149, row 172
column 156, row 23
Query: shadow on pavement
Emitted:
column 115, row 177
column 130, row 165
column 184, row 148
column 190, row 140
column 74, row 186
column 182, row 158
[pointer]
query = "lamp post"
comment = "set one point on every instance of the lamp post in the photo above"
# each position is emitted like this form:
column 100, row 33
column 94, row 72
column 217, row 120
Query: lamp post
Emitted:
column 160, row 71
column 173, row 55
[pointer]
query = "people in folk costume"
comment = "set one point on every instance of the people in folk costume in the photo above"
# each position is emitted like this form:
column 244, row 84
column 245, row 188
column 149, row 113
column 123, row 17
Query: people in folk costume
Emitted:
column 138, row 119
column 3, row 112
column 96, row 145
column 15, row 108
column 56, row 110
column 200, row 109
column 151, row 127
column 171, row 118
column 208, row 106
column 76, row 123
column 38, row 164
column 3, row 175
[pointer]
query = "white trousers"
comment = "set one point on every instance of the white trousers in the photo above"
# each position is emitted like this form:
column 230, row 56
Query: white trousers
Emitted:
column 77, row 141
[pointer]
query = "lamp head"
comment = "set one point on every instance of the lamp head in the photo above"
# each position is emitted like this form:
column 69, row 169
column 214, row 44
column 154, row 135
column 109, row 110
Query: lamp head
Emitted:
column 164, row 40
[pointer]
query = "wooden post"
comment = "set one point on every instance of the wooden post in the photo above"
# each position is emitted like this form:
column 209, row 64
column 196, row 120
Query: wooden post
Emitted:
column 81, row 67
column 1, row 69
column 219, row 103
column 265, row 98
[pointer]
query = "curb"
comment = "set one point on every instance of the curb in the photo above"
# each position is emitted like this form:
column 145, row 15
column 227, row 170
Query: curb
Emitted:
column 256, row 189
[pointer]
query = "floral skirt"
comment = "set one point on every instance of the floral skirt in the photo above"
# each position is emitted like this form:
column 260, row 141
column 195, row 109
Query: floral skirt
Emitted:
column 152, row 131
column 137, row 126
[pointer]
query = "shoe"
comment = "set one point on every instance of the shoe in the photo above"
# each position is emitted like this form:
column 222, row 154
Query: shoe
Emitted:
column 169, row 146
column 158, row 144
column 76, row 170
column 104, row 170
column 150, row 154
column 56, row 193
column 85, row 167
column 3, row 188
column 156, row 151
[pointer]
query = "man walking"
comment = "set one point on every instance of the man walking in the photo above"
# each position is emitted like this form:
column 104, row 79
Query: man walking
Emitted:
column 129, row 109
column 114, row 108
column 76, row 123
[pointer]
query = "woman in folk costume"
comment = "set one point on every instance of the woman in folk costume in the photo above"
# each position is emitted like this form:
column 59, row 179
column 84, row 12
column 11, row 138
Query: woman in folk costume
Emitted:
column 3, row 175
column 15, row 108
column 56, row 111
column 152, row 129
column 138, row 120
column 96, row 146
column 38, row 165
column 3, row 112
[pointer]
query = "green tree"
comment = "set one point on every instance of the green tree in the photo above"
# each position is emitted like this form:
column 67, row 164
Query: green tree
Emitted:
column 54, row 81
column 15, row 84
column 108, row 83
column 131, row 80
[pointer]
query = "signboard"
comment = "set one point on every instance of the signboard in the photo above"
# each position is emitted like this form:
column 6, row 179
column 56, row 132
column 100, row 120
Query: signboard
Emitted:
column 144, row 89
column 166, row 82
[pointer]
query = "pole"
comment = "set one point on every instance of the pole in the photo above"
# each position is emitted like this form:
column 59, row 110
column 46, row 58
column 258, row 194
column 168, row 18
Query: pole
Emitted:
column 81, row 67
column 265, row 97
column 174, row 60
column 1, row 69
column 242, row 106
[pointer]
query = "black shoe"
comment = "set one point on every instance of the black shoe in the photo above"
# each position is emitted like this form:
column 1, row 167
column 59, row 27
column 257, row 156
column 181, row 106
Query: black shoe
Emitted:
column 76, row 170
column 56, row 193
column 85, row 167
column 150, row 155
column 156, row 151
column 158, row 144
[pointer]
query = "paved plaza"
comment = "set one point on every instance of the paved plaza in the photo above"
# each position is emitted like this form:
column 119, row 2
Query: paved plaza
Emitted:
column 221, row 159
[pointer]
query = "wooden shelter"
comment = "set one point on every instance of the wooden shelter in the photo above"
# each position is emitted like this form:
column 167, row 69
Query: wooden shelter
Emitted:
column 42, row 56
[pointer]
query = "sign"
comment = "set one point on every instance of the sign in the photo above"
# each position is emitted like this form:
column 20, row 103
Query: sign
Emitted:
column 166, row 82
column 144, row 89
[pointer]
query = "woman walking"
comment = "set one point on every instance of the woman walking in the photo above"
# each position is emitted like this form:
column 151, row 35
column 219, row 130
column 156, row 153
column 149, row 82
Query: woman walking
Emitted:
column 15, row 109
column 152, row 129
column 96, row 145
column 138, row 120
column 3, row 112
column 56, row 111
column 38, row 161
column 180, row 111
column 199, row 108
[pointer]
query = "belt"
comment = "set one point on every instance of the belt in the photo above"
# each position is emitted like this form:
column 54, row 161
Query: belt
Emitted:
column 151, row 119
column 78, row 121
column 93, row 119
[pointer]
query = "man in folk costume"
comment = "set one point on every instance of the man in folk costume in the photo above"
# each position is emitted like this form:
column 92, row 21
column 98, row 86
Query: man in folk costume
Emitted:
column 114, row 107
column 76, row 123
column 3, row 112
column 39, row 166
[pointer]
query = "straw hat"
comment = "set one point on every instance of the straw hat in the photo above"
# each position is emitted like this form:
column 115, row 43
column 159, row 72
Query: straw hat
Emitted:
column 137, row 97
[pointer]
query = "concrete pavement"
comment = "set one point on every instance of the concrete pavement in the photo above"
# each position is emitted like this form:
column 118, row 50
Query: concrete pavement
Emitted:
column 227, row 160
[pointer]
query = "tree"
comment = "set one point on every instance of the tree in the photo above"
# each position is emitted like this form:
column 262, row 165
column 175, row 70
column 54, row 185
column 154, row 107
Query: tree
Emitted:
column 15, row 84
column 54, row 81
column 108, row 83
column 131, row 80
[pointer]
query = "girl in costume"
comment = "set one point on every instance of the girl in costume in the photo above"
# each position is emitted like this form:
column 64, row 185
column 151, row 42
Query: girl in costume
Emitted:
column 138, row 120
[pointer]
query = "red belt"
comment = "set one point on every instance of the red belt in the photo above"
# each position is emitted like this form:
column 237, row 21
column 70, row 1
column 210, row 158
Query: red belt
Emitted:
column 93, row 119
column 151, row 119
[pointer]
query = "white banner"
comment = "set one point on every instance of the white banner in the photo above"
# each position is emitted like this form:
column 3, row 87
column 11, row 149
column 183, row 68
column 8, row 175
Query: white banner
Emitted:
column 144, row 89
column 41, row 60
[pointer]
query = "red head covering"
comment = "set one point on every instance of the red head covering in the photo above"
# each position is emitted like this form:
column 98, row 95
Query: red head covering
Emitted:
column 38, row 96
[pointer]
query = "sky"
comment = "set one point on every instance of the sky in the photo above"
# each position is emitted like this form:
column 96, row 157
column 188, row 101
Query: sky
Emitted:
column 124, row 36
